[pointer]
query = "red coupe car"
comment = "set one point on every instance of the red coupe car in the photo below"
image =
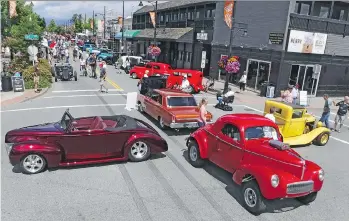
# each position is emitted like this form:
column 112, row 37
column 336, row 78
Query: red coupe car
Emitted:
column 79, row 141
column 250, row 147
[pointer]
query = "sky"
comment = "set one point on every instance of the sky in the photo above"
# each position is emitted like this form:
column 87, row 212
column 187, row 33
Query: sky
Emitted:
column 62, row 11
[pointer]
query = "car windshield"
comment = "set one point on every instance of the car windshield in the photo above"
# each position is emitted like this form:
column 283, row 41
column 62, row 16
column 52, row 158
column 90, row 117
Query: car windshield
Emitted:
column 66, row 121
column 181, row 101
column 253, row 133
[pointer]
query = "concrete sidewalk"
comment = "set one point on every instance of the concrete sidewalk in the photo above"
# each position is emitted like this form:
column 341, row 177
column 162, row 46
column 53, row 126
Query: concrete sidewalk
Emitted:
column 249, row 96
column 10, row 97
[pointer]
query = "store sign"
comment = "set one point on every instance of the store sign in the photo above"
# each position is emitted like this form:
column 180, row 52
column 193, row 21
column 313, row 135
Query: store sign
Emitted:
column 201, row 36
column 18, row 84
column 203, row 59
column 307, row 42
column 276, row 38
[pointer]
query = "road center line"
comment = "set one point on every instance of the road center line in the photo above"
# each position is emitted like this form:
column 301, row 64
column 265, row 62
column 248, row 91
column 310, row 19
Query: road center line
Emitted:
column 335, row 138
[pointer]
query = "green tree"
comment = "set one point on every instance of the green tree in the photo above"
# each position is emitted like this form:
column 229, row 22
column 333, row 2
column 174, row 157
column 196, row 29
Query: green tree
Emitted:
column 52, row 27
column 78, row 24
column 60, row 30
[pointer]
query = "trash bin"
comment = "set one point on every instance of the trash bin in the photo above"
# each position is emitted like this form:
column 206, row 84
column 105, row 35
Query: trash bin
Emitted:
column 6, row 83
column 267, row 90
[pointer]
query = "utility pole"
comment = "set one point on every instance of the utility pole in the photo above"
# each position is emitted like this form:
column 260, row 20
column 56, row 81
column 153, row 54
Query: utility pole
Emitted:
column 155, row 18
column 104, row 23
column 93, row 23
column 122, row 28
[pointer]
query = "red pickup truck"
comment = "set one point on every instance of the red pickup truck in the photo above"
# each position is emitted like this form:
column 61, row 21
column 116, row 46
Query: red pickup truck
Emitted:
column 175, row 75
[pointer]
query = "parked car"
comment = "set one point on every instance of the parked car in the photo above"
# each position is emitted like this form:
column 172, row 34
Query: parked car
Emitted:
column 297, row 127
column 134, row 60
column 64, row 72
column 80, row 141
column 171, row 108
column 250, row 147
column 195, row 77
column 88, row 47
column 103, row 54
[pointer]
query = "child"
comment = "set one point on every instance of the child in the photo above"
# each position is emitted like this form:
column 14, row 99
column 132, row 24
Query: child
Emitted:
column 271, row 116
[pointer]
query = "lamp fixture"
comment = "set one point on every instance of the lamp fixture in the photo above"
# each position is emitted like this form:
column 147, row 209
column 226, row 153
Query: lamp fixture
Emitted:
column 140, row 3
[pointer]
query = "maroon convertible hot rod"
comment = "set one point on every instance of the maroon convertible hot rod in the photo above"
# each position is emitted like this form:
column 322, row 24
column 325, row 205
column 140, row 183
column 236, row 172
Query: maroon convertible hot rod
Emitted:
column 81, row 141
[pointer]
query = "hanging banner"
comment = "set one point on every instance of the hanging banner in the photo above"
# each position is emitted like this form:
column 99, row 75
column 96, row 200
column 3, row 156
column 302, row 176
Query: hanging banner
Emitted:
column 152, row 17
column 12, row 8
column 91, row 23
column 228, row 12
column 307, row 42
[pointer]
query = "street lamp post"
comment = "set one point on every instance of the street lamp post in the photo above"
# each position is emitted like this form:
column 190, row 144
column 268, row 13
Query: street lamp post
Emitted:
column 239, row 27
column 155, row 18
column 95, row 14
column 122, row 28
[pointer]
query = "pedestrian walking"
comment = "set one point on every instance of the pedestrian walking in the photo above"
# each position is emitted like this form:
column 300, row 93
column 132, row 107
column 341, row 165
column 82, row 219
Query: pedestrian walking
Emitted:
column 36, row 77
column 287, row 95
column 202, row 108
column 326, row 111
column 242, row 81
column 102, row 77
column 83, row 66
column 295, row 94
column 75, row 53
column 93, row 64
column 343, row 107
column 66, row 54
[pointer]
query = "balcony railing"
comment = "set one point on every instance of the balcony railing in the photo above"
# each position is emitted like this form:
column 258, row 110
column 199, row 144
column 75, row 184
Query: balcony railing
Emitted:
column 316, row 24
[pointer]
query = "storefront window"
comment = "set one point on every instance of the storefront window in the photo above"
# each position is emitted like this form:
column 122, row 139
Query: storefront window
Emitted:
column 198, row 14
column 322, row 9
column 340, row 11
column 302, row 8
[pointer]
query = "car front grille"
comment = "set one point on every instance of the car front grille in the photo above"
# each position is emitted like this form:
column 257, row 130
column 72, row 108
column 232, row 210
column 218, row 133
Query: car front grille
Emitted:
column 300, row 187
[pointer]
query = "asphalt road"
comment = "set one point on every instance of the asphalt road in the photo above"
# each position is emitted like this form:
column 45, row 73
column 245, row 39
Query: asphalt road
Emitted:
column 164, row 188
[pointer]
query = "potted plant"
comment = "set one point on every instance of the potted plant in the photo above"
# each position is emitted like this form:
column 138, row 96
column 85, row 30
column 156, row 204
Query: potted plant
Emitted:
column 154, row 51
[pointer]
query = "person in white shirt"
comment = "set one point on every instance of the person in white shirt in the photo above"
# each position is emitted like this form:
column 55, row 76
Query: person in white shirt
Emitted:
column 242, row 81
column 83, row 65
column 229, row 93
column 225, row 96
column 271, row 116
column 295, row 93
column 66, row 54
column 185, row 84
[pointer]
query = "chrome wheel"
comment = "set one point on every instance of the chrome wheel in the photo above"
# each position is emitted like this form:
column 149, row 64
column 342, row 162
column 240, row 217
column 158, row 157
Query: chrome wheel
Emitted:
column 139, row 149
column 140, row 108
column 33, row 163
column 250, row 197
column 193, row 154
column 134, row 75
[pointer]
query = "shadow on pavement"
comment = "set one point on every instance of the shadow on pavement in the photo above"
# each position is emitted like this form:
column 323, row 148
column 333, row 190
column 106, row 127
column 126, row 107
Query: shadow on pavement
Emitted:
column 273, row 206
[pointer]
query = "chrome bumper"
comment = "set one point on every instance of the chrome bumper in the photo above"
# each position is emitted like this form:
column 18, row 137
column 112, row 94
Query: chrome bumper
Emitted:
column 300, row 187
column 186, row 125
column 8, row 147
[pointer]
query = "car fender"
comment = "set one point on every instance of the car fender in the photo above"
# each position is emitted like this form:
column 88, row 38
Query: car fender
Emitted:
column 154, row 141
column 263, row 174
column 201, row 141
column 52, row 153
column 305, row 138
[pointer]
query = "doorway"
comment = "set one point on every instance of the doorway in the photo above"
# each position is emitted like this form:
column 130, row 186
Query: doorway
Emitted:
column 304, row 76
column 258, row 71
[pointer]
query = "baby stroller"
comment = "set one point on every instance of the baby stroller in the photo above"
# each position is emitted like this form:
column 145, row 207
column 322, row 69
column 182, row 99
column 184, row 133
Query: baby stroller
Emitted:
column 225, row 101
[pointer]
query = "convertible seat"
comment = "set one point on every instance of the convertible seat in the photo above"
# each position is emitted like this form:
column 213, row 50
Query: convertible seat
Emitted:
column 96, row 122
column 100, row 126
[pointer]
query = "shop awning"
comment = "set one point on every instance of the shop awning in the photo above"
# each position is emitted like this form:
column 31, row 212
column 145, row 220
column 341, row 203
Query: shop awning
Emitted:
column 127, row 34
column 176, row 34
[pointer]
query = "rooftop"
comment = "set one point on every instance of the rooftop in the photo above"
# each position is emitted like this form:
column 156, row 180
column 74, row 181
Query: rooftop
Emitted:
column 170, row 4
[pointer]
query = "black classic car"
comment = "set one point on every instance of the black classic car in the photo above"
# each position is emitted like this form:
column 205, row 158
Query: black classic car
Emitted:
column 64, row 72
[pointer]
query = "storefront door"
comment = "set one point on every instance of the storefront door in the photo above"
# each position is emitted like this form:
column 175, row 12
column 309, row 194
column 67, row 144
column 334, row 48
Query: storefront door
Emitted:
column 304, row 76
column 257, row 72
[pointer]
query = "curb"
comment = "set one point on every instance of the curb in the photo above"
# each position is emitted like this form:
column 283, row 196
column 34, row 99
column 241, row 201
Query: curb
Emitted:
column 44, row 91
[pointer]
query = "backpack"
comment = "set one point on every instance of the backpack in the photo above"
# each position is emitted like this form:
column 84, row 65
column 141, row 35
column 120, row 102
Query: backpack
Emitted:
column 343, row 109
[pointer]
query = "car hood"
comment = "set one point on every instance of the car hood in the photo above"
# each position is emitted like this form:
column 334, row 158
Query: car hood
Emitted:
column 47, row 127
column 287, row 160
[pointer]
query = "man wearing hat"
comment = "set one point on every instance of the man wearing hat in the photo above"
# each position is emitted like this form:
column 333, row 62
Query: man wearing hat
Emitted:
column 185, row 84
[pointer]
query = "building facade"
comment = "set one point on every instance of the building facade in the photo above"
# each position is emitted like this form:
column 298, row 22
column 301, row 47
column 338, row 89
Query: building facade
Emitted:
column 287, row 42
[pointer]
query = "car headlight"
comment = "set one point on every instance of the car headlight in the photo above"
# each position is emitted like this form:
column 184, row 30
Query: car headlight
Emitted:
column 321, row 175
column 274, row 180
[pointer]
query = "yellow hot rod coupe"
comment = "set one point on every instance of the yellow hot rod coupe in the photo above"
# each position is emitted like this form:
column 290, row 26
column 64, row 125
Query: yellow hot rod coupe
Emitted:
column 297, row 127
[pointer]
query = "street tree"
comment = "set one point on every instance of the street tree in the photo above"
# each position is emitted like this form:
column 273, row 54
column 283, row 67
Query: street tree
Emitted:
column 52, row 27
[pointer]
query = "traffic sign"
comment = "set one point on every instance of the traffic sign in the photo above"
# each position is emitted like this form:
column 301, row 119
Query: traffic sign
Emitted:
column 203, row 59
column 32, row 50
column 31, row 37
